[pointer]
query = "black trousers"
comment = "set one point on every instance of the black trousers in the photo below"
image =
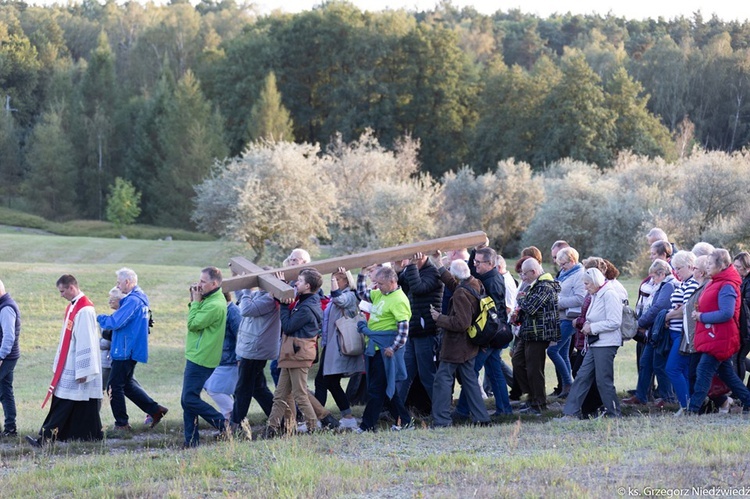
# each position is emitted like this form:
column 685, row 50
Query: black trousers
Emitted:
column 72, row 420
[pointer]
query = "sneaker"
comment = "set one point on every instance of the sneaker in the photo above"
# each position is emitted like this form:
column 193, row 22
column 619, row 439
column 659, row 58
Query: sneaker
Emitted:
column 302, row 427
column 148, row 421
column 124, row 427
column 161, row 411
column 557, row 391
column 34, row 442
column 359, row 431
column 348, row 423
column 530, row 411
column 408, row 426
column 329, row 423
column 724, row 409
column 9, row 433
column 566, row 417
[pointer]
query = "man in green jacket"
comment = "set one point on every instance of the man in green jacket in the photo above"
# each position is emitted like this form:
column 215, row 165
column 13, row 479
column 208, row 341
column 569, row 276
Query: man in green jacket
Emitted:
column 206, row 326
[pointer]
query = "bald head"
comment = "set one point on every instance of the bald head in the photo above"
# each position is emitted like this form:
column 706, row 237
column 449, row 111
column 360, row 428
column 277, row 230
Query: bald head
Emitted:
column 531, row 269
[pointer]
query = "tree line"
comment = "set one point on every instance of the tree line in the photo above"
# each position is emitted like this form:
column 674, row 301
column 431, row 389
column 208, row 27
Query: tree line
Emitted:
column 153, row 94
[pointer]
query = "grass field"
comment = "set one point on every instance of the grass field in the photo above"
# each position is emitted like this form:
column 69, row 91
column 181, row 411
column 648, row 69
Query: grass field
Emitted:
column 521, row 457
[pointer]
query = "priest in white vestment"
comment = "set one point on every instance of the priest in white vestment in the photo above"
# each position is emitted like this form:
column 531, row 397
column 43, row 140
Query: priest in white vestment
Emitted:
column 76, row 387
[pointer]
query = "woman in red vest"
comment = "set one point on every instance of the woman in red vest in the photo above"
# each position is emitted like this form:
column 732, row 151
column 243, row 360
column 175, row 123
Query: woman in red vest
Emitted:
column 717, row 333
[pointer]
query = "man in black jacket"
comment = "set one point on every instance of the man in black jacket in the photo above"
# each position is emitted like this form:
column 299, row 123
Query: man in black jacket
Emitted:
column 420, row 280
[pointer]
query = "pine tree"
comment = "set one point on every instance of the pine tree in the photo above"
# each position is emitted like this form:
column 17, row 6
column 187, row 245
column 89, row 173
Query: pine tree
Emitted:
column 269, row 119
column 51, row 185
column 190, row 136
column 97, row 105
column 10, row 158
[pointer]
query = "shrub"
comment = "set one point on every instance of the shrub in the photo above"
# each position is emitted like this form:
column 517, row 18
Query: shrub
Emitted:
column 501, row 202
column 123, row 203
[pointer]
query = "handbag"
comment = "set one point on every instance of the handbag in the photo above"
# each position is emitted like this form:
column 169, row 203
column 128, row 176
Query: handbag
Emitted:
column 629, row 324
column 350, row 341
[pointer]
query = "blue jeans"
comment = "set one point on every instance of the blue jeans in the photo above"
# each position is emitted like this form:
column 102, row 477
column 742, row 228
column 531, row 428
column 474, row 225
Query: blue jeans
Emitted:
column 121, row 384
column 377, row 383
column 193, row 406
column 677, row 370
column 651, row 364
column 6, row 394
column 419, row 356
column 559, row 353
column 707, row 367
column 489, row 358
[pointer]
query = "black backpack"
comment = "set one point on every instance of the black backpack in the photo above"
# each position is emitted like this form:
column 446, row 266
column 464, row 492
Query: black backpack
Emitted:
column 488, row 329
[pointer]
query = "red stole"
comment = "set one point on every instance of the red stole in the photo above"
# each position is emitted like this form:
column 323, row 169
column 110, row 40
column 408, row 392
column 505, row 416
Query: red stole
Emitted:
column 83, row 301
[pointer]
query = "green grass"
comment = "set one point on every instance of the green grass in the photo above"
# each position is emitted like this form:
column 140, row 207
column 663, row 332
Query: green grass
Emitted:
column 527, row 457
column 14, row 221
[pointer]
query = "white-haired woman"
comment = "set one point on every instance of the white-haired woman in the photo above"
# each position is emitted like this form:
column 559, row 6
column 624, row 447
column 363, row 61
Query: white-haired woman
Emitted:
column 602, row 330
column 677, row 368
column 569, row 302
column 105, row 342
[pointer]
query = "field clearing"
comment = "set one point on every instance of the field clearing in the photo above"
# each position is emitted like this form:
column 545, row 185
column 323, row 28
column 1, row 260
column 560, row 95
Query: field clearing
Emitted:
column 520, row 457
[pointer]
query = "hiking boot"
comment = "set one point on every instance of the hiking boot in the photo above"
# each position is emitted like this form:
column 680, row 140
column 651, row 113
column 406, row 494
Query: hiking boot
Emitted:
column 156, row 417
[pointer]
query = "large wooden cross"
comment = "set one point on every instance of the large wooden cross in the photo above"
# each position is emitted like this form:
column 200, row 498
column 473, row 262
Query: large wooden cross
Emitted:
column 251, row 276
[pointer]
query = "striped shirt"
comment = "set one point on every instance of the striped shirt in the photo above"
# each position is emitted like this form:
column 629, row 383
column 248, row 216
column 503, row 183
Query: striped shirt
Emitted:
column 680, row 297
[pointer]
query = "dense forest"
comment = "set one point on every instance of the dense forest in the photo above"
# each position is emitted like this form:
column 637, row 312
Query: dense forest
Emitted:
column 155, row 95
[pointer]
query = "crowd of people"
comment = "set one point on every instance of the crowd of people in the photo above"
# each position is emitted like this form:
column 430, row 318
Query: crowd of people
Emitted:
column 693, row 337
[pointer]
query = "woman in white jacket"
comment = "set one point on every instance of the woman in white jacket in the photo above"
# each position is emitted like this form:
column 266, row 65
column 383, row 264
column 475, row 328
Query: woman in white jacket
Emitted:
column 602, row 329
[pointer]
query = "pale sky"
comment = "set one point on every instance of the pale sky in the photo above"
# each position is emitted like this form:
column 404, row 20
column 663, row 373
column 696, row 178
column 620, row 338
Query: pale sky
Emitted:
column 727, row 10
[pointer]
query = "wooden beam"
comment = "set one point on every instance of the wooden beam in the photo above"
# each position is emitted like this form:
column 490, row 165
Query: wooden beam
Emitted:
column 276, row 287
column 360, row 260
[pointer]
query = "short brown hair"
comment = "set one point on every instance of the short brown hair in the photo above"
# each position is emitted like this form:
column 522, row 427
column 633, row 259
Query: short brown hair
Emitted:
column 533, row 252
column 67, row 280
column 214, row 274
column 312, row 277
